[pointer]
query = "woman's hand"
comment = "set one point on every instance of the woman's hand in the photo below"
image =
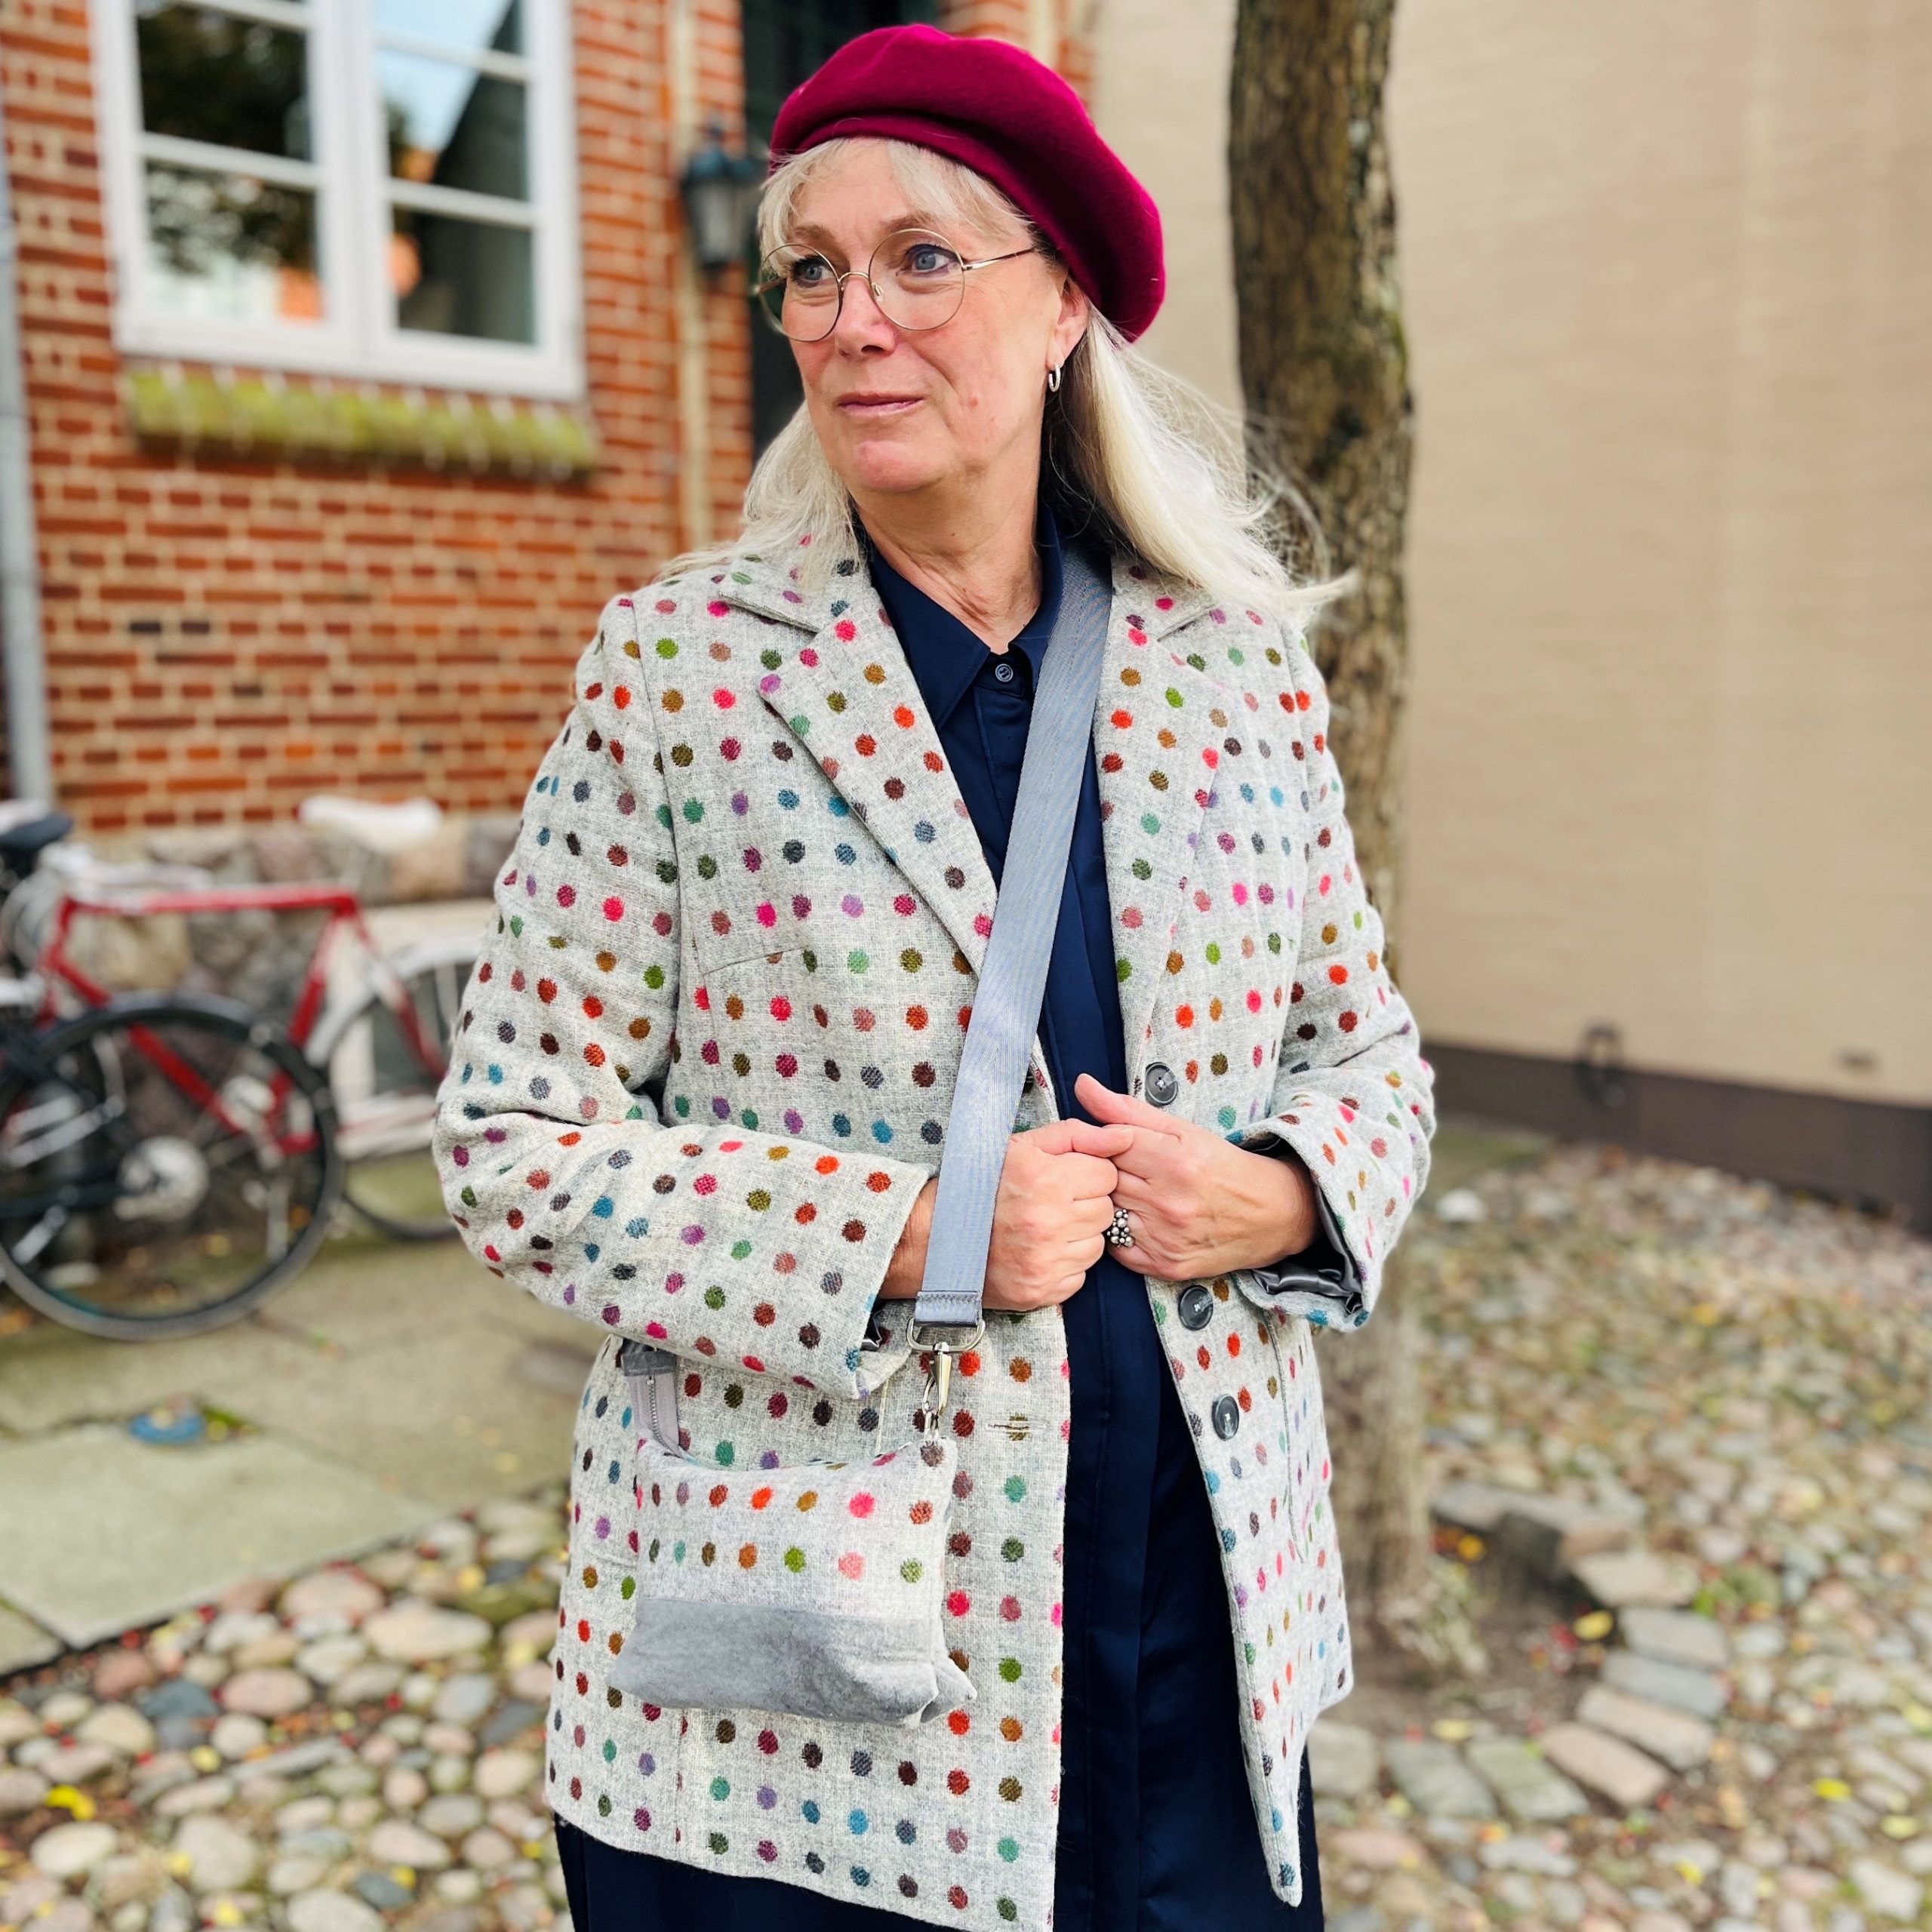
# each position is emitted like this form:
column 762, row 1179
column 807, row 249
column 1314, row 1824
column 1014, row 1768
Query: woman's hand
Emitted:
column 1050, row 1221
column 1050, row 1218
column 1198, row 1205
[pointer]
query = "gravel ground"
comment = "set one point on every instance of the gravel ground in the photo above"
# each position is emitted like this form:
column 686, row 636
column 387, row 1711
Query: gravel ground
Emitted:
column 361, row 1749
column 1740, row 1379
column 1680, row 1435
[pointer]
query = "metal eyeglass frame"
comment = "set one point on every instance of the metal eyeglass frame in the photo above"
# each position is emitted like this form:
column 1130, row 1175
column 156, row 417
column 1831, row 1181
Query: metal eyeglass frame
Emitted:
column 841, row 277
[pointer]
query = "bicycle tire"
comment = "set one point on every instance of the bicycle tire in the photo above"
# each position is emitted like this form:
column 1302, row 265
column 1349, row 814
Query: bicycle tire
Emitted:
column 233, row 1022
column 444, row 965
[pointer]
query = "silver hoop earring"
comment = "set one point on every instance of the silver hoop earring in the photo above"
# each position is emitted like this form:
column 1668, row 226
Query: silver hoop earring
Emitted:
column 1053, row 381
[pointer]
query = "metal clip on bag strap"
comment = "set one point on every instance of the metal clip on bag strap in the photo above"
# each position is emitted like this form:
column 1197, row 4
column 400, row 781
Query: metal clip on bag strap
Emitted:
column 1006, row 1005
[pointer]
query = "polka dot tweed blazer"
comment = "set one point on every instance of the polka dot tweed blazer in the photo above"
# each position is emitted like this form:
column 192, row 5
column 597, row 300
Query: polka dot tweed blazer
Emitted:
column 703, row 1071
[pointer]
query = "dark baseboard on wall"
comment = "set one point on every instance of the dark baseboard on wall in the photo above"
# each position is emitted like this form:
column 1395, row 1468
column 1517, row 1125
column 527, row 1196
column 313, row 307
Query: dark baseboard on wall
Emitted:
column 1876, row 1155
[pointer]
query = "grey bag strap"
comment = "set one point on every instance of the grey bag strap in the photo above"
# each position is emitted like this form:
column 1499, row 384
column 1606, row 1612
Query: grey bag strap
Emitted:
column 1006, row 1007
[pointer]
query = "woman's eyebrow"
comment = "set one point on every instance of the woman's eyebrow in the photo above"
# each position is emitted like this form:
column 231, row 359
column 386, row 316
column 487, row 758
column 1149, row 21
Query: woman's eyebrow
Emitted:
column 810, row 231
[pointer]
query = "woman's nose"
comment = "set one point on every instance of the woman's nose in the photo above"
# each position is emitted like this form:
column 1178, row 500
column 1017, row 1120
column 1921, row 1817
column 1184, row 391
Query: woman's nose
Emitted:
column 862, row 323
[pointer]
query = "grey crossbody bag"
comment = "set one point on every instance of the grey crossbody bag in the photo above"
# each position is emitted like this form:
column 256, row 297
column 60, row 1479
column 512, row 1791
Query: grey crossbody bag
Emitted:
column 817, row 1589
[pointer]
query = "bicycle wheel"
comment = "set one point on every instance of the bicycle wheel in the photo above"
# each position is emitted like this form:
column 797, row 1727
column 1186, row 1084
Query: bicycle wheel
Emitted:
column 387, row 1048
column 166, row 1164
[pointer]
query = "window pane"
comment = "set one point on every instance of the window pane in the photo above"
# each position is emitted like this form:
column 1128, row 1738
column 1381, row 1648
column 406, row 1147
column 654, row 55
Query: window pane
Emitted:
column 210, row 76
column 232, row 246
column 454, row 127
column 461, row 278
column 473, row 25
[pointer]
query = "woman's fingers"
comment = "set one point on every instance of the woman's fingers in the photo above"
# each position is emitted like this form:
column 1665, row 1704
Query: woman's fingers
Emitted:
column 1104, row 1104
column 1105, row 1142
column 1084, row 1176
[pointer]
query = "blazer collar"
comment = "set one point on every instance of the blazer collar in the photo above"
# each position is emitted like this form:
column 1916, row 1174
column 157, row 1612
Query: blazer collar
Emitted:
column 773, row 586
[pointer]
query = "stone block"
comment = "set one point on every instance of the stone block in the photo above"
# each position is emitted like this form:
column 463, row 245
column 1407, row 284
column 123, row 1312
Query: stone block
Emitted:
column 1699, row 1692
column 1529, row 1789
column 1343, row 1760
column 1622, row 1774
column 23, row 1644
column 1681, row 1740
column 1433, row 1779
column 1620, row 1579
column 169, row 1528
column 1676, row 1636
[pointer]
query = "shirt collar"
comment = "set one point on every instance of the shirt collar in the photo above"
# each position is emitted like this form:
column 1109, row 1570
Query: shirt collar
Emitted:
column 944, row 655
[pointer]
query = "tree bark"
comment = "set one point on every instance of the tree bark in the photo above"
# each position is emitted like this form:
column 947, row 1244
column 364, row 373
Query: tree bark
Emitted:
column 1324, row 370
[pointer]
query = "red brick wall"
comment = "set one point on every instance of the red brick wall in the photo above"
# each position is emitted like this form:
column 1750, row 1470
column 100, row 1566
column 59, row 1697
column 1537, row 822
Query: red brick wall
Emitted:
column 225, row 636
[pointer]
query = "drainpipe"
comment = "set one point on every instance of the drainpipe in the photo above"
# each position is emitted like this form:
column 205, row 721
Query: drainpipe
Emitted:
column 29, row 755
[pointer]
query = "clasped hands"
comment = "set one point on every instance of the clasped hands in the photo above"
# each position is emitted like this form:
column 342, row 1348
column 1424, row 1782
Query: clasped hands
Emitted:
column 1197, row 1205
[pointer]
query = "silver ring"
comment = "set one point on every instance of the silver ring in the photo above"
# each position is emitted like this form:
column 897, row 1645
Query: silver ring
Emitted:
column 1120, row 1231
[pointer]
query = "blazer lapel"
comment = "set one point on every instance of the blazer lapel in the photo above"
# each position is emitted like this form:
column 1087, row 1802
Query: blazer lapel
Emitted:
column 1158, row 731
column 843, row 688
column 846, row 693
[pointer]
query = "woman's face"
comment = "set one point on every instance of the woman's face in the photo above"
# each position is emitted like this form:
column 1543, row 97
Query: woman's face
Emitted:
column 901, row 410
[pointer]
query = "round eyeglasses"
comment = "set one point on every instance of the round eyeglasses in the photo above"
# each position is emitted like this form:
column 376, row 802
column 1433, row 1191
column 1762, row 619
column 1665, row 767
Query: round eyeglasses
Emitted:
column 917, row 278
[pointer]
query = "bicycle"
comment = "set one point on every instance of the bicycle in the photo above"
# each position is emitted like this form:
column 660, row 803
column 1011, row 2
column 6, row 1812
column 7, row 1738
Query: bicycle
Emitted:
column 109, row 1119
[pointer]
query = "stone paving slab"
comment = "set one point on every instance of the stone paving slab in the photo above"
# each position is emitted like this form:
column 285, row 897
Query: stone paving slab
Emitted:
column 23, row 1644
column 409, row 1362
column 1699, row 1692
column 101, row 1534
column 1682, row 1741
column 1676, row 1636
column 1435, row 1779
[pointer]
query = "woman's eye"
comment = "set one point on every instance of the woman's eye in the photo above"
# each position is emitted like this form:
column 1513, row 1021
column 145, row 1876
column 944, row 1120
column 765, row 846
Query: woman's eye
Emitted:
column 927, row 260
column 812, row 273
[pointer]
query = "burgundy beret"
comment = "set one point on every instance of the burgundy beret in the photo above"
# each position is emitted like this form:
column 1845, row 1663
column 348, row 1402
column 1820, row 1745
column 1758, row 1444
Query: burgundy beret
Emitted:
column 1010, row 118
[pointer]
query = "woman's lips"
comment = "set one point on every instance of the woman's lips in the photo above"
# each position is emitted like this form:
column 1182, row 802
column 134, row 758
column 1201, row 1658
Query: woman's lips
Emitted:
column 877, row 406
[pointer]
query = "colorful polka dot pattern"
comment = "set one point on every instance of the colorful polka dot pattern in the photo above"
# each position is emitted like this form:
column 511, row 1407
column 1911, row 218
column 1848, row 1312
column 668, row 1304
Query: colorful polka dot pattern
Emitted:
column 703, row 1070
column 847, row 1557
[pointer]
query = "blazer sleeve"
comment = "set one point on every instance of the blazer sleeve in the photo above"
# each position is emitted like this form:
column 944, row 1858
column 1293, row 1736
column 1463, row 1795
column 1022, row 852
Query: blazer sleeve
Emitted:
column 1353, row 1095
column 559, row 1159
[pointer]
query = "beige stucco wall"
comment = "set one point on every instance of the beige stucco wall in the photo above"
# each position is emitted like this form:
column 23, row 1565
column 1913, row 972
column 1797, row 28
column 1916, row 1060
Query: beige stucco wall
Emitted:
column 1160, row 98
column 1668, row 279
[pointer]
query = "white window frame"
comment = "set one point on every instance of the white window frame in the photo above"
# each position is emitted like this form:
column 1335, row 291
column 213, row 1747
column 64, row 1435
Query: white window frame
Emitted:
column 359, row 336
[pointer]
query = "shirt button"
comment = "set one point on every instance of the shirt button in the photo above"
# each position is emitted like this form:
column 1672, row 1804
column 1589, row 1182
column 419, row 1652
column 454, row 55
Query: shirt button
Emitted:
column 1227, row 1417
column 1004, row 672
column 1161, row 1085
column 1197, row 1306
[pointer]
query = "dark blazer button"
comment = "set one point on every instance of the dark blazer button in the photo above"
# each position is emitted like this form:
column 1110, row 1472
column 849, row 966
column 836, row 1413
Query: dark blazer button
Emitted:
column 1161, row 1085
column 1197, row 1307
column 1227, row 1417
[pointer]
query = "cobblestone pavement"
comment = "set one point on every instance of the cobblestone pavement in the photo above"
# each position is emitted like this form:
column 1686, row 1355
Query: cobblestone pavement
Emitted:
column 1681, row 1431
column 362, row 1748
column 1680, row 1434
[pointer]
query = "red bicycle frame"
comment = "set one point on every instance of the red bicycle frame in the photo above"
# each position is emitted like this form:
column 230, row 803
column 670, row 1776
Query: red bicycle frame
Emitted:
column 345, row 920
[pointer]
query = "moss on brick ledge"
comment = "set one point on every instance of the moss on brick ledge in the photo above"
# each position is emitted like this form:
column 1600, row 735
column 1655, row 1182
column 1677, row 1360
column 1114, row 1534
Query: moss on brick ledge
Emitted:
column 251, row 417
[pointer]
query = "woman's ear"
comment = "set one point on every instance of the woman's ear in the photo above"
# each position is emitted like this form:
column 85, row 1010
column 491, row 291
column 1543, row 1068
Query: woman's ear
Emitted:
column 1075, row 313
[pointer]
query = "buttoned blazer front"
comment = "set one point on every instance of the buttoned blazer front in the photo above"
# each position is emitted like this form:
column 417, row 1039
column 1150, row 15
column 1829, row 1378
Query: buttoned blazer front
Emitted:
column 703, row 1071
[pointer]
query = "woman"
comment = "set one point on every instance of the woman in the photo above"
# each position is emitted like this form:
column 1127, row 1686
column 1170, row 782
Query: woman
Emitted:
column 700, row 1091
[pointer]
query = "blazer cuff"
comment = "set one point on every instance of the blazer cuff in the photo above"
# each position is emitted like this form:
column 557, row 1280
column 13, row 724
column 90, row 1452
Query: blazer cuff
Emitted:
column 1322, row 1282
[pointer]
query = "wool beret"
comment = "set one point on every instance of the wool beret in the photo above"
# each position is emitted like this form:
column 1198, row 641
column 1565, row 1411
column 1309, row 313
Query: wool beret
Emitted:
column 1010, row 118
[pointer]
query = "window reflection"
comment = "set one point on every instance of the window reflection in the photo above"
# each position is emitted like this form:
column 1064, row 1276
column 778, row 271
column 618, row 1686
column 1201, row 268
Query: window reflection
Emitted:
column 453, row 277
column 476, row 26
column 230, row 245
column 211, row 76
column 454, row 127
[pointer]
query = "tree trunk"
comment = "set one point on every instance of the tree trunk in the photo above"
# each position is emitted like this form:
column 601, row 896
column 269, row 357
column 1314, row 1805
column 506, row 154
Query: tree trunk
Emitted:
column 1324, row 370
